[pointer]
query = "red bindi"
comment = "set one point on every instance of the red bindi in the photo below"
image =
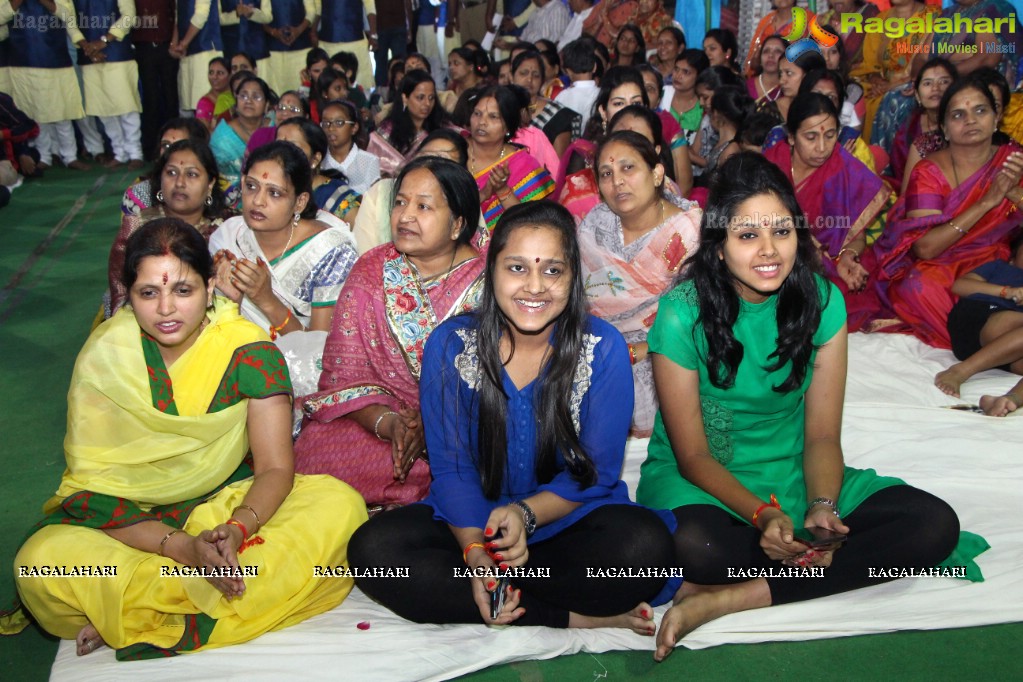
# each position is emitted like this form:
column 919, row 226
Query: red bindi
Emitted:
column 266, row 175
column 165, row 278
column 612, row 159
column 537, row 260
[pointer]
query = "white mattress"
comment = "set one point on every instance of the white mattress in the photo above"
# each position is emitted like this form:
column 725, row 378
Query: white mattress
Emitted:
column 893, row 423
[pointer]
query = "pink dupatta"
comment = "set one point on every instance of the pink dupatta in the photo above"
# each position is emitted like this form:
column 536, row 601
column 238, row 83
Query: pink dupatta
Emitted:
column 373, row 356
column 624, row 284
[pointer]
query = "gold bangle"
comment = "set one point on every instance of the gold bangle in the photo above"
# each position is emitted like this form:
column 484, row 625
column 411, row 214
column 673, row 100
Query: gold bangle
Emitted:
column 843, row 250
column 957, row 228
column 166, row 538
column 259, row 524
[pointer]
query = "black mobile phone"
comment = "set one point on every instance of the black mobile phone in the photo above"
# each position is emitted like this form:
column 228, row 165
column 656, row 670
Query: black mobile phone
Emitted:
column 497, row 598
column 817, row 537
column 966, row 408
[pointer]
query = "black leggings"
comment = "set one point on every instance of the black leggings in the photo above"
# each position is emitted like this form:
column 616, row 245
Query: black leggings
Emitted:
column 609, row 536
column 897, row 527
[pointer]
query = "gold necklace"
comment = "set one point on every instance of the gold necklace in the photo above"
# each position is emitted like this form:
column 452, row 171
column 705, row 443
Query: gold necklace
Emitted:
column 472, row 161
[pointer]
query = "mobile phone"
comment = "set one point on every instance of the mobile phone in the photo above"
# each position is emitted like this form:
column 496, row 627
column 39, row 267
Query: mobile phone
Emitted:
column 817, row 537
column 966, row 408
column 497, row 597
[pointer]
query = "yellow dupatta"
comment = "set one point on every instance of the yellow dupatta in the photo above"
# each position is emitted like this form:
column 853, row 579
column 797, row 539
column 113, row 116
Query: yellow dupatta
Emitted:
column 119, row 444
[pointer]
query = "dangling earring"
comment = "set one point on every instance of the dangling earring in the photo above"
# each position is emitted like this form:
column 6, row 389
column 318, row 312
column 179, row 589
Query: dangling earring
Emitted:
column 603, row 124
column 159, row 196
column 295, row 218
column 209, row 199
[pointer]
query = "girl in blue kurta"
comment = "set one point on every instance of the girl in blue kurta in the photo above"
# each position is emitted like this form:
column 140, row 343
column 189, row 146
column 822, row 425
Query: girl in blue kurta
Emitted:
column 526, row 406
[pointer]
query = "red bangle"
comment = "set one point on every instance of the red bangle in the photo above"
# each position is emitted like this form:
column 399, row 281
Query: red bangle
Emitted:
column 245, row 532
column 765, row 505
column 469, row 548
column 279, row 329
column 1003, row 292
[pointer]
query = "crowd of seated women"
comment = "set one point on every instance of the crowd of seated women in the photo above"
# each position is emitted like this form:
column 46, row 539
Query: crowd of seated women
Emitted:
column 450, row 312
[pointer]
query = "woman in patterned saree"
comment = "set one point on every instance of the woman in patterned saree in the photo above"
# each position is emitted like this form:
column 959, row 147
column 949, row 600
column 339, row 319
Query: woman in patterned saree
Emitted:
column 363, row 426
column 960, row 208
column 179, row 457
column 633, row 248
column 505, row 173
column 282, row 260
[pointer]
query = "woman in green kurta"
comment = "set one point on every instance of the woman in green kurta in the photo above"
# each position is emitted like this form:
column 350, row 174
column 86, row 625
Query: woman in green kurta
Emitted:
column 749, row 358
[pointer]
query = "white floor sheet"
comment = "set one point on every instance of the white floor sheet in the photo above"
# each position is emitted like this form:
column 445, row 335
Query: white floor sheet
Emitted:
column 894, row 422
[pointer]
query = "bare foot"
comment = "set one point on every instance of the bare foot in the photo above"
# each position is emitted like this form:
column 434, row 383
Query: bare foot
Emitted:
column 997, row 405
column 88, row 640
column 640, row 620
column 950, row 380
column 704, row 603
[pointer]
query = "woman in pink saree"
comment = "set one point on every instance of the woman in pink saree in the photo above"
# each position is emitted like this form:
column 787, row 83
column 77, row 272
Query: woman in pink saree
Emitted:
column 505, row 173
column 363, row 426
column 960, row 208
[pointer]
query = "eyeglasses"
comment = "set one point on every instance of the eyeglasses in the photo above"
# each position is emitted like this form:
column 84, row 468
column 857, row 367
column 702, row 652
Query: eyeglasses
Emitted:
column 246, row 97
column 327, row 125
column 295, row 110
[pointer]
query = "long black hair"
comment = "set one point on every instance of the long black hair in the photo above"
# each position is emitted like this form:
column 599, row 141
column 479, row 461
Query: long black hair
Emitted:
column 742, row 177
column 403, row 130
column 555, row 429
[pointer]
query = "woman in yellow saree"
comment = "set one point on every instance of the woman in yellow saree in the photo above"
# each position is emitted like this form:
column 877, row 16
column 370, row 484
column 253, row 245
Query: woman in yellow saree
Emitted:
column 179, row 459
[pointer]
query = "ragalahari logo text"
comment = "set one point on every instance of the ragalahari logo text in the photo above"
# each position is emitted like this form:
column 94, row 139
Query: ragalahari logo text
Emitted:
column 818, row 40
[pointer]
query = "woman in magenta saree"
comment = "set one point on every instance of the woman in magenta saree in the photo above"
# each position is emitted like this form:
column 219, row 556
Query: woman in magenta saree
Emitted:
column 960, row 208
column 527, row 180
column 843, row 200
column 392, row 300
column 915, row 295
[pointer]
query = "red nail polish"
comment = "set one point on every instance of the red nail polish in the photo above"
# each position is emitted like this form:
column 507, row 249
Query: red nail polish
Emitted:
column 644, row 613
column 488, row 532
column 491, row 585
column 498, row 557
column 504, row 567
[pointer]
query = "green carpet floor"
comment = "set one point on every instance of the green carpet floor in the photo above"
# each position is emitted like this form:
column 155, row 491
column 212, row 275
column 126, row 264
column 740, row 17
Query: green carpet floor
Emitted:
column 54, row 240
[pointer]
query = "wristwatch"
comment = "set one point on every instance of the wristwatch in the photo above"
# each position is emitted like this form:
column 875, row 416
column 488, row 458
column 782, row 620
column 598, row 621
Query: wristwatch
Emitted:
column 528, row 517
